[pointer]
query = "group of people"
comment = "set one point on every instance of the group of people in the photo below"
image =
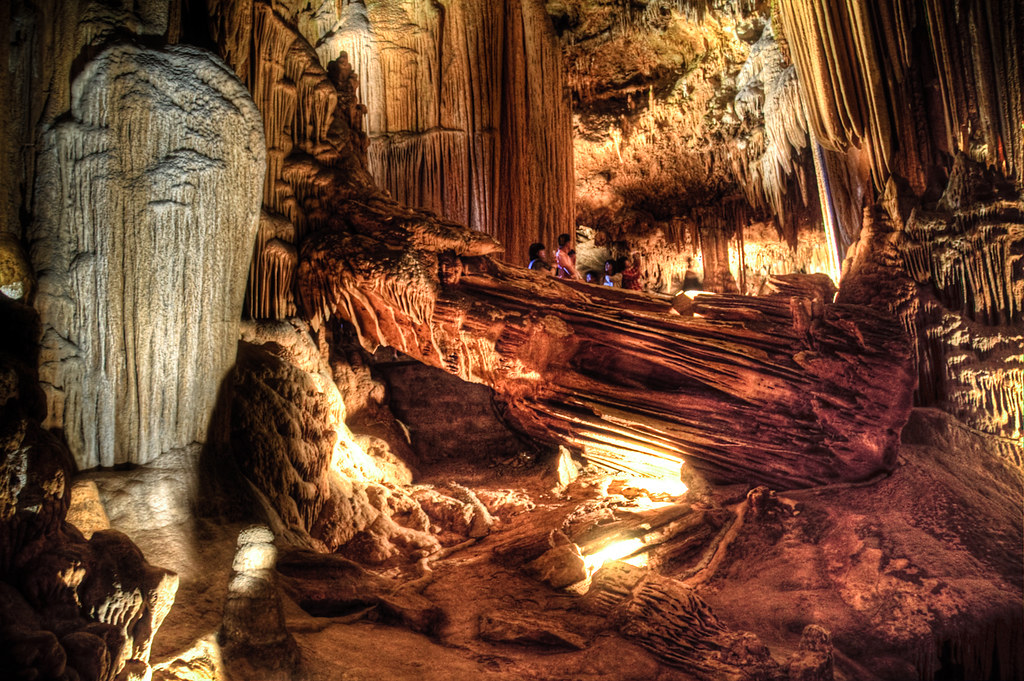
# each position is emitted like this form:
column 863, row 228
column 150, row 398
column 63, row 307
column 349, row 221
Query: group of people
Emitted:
column 621, row 272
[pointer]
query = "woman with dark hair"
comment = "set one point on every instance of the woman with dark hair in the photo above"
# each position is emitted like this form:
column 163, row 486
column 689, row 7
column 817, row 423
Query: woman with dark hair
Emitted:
column 609, row 272
column 539, row 258
column 631, row 275
column 565, row 267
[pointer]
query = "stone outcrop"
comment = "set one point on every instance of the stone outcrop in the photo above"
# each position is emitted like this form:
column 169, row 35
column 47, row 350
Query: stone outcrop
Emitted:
column 147, row 206
column 70, row 608
column 279, row 433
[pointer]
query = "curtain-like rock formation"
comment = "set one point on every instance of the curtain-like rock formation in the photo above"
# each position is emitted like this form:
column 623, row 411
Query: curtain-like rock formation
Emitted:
column 954, row 275
column 865, row 71
column 147, row 207
column 919, row 96
column 467, row 111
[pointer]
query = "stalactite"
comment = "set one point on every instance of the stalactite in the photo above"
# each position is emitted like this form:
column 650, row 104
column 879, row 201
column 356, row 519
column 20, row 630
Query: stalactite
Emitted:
column 441, row 152
column 859, row 79
column 637, row 16
column 470, row 117
column 272, row 270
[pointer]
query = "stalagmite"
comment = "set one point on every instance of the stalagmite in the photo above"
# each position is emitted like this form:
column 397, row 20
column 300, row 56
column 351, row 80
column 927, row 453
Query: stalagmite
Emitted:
column 145, row 222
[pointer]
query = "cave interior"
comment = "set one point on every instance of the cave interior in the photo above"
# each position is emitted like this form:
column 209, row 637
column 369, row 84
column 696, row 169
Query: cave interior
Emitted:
column 340, row 418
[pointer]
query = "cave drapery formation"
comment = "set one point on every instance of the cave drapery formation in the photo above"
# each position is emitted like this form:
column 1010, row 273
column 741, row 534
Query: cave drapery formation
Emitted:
column 134, row 132
column 466, row 112
column 223, row 218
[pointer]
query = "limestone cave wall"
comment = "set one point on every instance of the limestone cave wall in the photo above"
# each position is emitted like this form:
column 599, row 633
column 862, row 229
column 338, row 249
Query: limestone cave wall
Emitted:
column 925, row 99
column 466, row 109
column 152, row 180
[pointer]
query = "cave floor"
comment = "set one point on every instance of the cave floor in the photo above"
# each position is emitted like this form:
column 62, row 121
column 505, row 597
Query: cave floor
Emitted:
column 917, row 573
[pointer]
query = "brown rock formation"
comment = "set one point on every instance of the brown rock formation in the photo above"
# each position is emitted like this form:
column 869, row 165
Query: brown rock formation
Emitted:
column 953, row 275
column 69, row 608
column 748, row 389
column 689, row 134
column 466, row 110
column 675, row 624
column 253, row 634
column 864, row 77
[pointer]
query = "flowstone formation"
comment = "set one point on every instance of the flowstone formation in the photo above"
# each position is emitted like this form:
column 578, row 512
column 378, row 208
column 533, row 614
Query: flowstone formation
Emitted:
column 953, row 276
column 926, row 102
column 146, row 208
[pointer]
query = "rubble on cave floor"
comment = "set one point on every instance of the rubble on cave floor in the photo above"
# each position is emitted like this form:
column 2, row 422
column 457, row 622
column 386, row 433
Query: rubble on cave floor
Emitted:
column 851, row 581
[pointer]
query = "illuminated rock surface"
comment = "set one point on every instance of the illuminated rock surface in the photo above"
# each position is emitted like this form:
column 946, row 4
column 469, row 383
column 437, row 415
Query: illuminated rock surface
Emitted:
column 424, row 528
column 146, row 210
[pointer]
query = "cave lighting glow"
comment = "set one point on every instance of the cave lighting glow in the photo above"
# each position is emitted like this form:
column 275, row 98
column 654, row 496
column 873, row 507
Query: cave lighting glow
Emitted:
column 658, row 477
column 673, row 487
column 623, row 550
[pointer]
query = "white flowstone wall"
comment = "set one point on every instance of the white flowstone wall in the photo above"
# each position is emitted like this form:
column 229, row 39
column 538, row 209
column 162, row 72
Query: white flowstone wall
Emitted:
column 147, row 206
